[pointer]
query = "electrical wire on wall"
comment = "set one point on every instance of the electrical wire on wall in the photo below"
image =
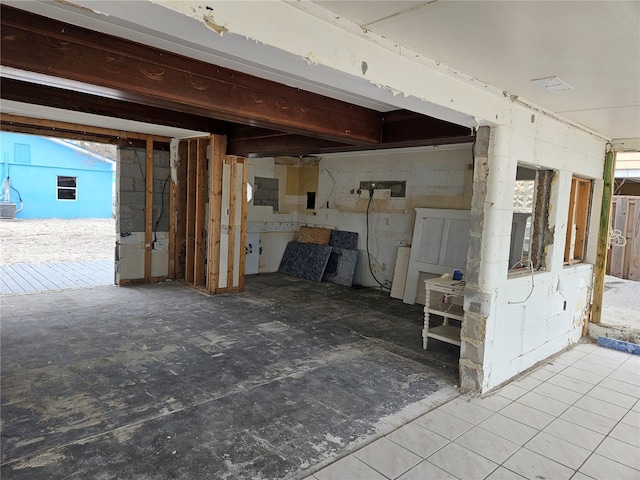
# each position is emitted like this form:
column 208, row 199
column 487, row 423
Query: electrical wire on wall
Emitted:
column 155, row 227
column 371, row 189
column 326, row 202
column 164, row 187
column 135, row 152
column 532, row 286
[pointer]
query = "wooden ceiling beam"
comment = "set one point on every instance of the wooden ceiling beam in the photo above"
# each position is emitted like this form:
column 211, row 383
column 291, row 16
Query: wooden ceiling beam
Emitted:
column 401, row 129
column 53, row 128
column 45, row 46
column 403, row 126
column 297, row 146
column 37, row 94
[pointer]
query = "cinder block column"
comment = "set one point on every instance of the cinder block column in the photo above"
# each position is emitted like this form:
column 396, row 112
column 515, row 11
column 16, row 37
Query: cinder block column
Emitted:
column 473, row 332
column 489, row 243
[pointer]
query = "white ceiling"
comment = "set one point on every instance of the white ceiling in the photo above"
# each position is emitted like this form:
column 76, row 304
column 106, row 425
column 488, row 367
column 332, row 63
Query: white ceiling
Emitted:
column 593, row 46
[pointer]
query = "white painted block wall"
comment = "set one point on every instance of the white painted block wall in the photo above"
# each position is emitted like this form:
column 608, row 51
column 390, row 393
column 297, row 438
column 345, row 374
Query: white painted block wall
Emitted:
column 533, row 317
column 435, row 178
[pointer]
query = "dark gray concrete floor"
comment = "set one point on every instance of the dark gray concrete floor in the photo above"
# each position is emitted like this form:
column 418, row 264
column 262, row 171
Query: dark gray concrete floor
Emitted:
column 161, row 381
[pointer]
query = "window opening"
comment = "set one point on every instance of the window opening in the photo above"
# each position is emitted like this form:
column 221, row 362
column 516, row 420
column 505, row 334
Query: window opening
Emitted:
column 530, row 233
column 67, row 188
column 578, row 220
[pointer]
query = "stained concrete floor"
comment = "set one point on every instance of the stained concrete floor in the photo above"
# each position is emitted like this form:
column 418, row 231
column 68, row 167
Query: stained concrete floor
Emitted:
column 161, row 381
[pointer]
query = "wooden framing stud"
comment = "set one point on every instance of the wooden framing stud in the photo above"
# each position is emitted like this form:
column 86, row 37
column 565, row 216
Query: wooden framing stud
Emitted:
column 218, row 152
column 190, row 211
column 148, row 210
column 200, row 212
column 243, row 225
column 233, row 163
column 181, row 211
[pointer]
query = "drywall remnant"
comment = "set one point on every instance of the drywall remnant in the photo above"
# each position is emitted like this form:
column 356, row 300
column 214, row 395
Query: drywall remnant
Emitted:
column 174, row 159
column 311, row 59
column 210, row 22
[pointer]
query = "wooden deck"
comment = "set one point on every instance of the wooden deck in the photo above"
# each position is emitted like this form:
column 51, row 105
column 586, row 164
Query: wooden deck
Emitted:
column 40, row 277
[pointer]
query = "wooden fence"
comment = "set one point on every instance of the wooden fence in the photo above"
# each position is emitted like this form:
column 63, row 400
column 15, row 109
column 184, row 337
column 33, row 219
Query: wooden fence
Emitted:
column 624, row 261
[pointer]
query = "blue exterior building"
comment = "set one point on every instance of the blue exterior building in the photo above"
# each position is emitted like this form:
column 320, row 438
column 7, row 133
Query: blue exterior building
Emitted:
column 54, row 178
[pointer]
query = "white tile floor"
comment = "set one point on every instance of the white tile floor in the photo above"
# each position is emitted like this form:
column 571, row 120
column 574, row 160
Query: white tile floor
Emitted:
column 577, row 417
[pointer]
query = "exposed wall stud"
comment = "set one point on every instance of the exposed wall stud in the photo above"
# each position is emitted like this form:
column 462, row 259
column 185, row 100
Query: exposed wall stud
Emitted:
column 180, row 213
column 148, row 210
column 191, row 211
column 200, row 211
column 243, row 225
column 218, row 151
column 233, row 162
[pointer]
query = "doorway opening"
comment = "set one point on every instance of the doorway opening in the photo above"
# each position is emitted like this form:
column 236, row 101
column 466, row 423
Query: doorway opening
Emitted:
column 622, row 280
column 57, row 226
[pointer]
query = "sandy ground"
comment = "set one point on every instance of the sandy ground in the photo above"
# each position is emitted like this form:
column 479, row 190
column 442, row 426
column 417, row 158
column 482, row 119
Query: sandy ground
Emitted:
column 41, row 241
column 620, row 306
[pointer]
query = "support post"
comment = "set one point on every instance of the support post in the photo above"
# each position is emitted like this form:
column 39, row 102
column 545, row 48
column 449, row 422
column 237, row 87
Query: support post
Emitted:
column 233, row 163
column 191, row 212
column 218, row 152
column 173, row 216
column 180, row 249
column 200, row 211
column 173, row 193
column 603, row 237
column 148, row 210
column 243, row 225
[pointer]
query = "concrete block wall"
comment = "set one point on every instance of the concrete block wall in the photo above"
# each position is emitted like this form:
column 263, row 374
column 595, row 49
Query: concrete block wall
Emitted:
column 130, row 190
column 514, row 320
column 130, row 213
column 273, row 228
column 437, row 178
column 161, row 181
column 266, row 192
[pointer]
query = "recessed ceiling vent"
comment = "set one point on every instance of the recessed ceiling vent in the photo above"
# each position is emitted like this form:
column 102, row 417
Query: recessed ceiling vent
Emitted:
column 553, row 84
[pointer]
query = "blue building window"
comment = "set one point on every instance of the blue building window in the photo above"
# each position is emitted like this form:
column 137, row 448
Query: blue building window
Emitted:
column 67, row 187
column 21, row 153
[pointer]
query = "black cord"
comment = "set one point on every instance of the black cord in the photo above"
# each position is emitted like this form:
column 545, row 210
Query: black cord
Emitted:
column 155, row 228
column 164, row 186
column 368, row 254
column 144, row 177
column 16, row 190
